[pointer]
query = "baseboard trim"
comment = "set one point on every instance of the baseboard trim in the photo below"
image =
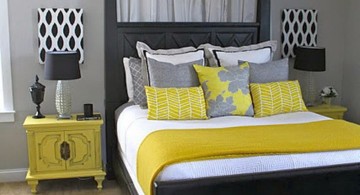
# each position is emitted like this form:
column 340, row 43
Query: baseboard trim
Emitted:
column 12, row 175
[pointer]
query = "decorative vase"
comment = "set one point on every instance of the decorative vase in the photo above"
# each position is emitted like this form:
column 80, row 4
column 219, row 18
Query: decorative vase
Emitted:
column 37, row 91
column 327, row 101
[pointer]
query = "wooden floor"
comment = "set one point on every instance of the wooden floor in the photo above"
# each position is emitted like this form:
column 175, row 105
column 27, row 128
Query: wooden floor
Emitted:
column 81, row 186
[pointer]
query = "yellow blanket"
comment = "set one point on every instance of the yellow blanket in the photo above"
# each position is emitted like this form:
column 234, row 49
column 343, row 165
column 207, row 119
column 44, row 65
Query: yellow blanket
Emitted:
column 166, row 147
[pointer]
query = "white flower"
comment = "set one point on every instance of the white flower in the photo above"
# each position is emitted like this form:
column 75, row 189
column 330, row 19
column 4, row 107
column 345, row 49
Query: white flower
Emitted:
column 328, row 91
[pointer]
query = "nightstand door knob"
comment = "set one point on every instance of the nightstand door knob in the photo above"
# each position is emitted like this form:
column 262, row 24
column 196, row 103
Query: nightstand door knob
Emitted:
column 65, row 150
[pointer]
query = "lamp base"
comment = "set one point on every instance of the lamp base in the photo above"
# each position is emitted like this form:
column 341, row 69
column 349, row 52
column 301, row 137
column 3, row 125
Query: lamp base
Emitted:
column 63, row 116
column 63, row 99
column 310, row 89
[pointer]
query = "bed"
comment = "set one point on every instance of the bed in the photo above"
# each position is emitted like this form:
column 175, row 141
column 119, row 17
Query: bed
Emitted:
column 120, row 41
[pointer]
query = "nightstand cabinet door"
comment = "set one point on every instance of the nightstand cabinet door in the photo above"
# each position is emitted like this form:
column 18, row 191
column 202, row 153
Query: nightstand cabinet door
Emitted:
column 47, row 147
column 82, row 151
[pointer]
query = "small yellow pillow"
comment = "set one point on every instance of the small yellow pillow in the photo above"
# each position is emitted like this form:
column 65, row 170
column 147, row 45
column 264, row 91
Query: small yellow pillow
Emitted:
column 276, row 98
column 175, row 103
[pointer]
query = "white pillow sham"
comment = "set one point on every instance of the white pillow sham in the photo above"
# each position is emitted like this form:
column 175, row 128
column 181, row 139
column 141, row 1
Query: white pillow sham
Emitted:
column 143, row 47
column 175, row 59
column 210, row 54
column 258, row 56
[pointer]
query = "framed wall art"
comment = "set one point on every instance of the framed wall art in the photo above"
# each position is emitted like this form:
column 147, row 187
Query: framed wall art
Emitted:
column 60, row 29
column 299, row 27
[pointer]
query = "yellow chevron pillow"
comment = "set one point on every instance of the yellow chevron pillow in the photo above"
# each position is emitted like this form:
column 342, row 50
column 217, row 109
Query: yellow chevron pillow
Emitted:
column 276, row 98
column 175, row 103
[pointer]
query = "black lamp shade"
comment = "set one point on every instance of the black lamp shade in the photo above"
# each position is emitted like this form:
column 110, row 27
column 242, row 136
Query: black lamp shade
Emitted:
column 310, row 58
column 62, row 65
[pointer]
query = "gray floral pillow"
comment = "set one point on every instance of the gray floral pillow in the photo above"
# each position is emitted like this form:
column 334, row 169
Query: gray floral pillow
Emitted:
column 226, row 90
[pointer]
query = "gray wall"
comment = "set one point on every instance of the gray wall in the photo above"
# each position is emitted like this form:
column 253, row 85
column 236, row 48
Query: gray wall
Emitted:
column 351, row 82
column 90, row 88
column 25, row 65
column 331, row 35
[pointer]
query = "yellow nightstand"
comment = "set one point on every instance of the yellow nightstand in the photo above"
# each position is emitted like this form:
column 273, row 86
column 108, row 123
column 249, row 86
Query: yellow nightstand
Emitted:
column 63, row 149
column 332, row 111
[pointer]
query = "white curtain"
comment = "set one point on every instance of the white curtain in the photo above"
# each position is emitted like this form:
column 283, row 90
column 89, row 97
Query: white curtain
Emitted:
column 186, row 10
column 6, row 95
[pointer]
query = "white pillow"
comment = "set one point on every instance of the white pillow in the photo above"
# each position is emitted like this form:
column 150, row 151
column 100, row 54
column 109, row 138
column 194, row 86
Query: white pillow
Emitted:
column 129, row 82
column 178, row 58
column 259, row 56
column 211, row 57
column 143, row 48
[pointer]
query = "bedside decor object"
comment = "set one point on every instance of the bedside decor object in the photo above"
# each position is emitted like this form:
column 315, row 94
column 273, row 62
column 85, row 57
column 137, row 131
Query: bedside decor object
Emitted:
column 299, row 27
column 62, row 66
column 37, row 91
column 327, row 93
column 59, row 149
column 60, row 29
column 88, row 110
column 88, row 114
column 310, row 59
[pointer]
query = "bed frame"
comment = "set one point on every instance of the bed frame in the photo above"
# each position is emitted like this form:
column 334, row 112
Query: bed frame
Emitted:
column 120, row 41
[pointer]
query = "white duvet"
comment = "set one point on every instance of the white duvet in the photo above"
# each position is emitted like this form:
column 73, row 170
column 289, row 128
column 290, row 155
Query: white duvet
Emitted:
column 133, row 127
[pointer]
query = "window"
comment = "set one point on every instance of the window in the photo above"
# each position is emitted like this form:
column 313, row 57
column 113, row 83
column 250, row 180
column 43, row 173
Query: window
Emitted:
column 6, row 95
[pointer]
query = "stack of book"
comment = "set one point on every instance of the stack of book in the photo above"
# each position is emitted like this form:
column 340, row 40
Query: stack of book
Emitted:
column 83, row 118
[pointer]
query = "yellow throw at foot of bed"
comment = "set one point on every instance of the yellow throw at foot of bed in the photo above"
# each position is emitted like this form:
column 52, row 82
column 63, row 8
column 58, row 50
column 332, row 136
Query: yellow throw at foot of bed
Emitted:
column 166, row 147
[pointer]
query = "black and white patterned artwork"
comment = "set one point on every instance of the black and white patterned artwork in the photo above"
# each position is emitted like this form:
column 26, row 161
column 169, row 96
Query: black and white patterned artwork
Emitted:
column 60, row 29
column 299, row 28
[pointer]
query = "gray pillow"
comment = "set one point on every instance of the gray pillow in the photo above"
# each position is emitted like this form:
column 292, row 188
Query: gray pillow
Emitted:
column 272, row 71
column 138, row 81
column 163, row 74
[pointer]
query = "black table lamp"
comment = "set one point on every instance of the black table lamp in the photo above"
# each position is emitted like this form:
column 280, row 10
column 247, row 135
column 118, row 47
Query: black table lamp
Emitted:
column 310, row 59
column 62, row 66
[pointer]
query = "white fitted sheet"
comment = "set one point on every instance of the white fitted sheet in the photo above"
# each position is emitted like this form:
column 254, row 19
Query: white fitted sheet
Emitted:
column 133, row 127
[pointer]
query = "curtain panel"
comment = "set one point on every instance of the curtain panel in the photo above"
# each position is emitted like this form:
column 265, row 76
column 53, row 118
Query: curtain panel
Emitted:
column 186, row 10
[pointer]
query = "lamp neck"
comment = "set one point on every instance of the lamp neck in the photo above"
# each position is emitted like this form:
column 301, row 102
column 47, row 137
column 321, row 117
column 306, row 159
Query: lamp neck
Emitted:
column 63, row 99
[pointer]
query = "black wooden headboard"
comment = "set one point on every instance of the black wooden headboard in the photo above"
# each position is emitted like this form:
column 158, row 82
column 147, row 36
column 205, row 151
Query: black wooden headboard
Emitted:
column 121, row 38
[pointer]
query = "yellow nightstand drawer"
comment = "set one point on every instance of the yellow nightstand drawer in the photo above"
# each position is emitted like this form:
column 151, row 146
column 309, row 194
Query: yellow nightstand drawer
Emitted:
column 331, row 111
column 63, row 149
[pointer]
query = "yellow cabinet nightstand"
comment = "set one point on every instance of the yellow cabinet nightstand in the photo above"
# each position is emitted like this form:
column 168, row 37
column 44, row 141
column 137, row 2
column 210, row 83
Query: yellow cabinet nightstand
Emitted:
column 332, row 111
column 63, row 149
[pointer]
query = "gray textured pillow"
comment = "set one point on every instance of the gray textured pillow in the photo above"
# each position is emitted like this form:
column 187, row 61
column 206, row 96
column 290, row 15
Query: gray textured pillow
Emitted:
column 272, row 71
column 163, row 74
column 138, row 81
column 143, row 48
